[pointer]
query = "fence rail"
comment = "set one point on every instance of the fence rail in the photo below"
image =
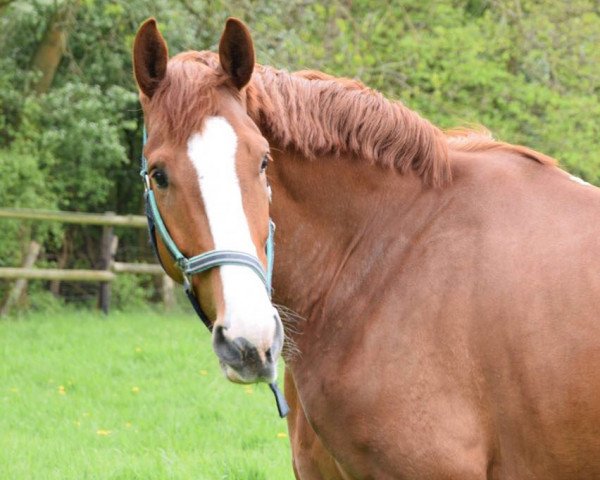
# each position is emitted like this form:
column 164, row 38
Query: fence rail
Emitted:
column 138, row 268
column 57, row 274
column 108, row 219
column 109, row 267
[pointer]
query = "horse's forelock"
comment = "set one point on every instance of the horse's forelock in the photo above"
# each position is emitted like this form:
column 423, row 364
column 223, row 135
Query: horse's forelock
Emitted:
column 186, row 96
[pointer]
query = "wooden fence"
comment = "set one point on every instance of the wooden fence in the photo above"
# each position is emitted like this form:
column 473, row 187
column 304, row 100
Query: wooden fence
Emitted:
column 109, row 268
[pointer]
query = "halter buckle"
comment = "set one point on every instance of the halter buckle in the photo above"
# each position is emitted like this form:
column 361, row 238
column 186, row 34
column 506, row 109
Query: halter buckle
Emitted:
column 182, row 264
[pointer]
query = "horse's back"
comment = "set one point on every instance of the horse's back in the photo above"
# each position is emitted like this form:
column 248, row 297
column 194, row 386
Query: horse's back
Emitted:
column 520, row 315
column 537, row 332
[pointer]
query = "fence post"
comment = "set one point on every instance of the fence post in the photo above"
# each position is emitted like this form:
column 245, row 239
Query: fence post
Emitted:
column 107, row 256
column 168, row 292
column 20, row 285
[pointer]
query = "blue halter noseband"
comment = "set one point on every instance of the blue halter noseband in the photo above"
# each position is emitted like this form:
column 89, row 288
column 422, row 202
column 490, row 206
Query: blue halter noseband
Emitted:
column 206, row 261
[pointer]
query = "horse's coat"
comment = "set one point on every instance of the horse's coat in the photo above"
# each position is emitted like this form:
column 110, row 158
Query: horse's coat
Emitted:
column 448, row 283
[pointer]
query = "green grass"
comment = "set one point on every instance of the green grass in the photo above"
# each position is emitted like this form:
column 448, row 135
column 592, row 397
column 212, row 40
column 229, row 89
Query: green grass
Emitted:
column 131, row 396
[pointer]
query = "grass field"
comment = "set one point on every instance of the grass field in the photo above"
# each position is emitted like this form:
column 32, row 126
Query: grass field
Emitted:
column 129, row 396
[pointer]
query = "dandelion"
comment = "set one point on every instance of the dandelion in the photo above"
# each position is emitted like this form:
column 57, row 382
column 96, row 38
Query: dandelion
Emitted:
column 103, row 433
column 282, row 435
column 135, row 390
column 204, row 373
column 248, row 390
column 61, row 390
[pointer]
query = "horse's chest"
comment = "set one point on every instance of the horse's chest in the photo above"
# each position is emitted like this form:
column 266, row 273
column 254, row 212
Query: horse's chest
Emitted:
column 343, row 410
column 388, row 421
column 341, row 426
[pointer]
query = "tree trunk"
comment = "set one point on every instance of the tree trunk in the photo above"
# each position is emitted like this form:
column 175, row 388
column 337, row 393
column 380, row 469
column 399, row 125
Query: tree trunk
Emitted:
column 4, row 4
column 168, row 293
column 53, row 45
column 107, row 257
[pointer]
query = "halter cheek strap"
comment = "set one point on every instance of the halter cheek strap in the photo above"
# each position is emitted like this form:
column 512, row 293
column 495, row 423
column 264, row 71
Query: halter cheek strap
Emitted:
column 206, row 261
column 152, row 222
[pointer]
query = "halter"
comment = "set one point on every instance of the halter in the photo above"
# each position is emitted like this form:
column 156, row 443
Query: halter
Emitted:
column 206, row 261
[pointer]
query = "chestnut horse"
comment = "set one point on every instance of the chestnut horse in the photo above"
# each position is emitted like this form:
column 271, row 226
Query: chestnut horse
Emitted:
column 445, row 286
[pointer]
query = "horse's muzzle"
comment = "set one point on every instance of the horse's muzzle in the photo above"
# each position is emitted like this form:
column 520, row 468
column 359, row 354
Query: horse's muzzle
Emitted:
column 242, row 361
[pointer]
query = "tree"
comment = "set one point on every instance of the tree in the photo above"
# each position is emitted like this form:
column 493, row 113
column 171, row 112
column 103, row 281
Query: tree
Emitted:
column 52, row 46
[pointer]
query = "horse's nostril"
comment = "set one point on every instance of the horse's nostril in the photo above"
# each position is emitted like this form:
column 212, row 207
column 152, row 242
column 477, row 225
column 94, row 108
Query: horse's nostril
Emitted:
column 219, row 333
column 227, row 350
column 245, row 361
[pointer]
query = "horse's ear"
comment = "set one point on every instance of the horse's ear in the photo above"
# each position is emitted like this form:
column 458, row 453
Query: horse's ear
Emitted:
column 236, row 52
column 150, row 57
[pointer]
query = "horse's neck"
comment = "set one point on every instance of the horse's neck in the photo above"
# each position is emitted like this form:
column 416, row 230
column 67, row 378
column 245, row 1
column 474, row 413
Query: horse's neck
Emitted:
column 335, row 219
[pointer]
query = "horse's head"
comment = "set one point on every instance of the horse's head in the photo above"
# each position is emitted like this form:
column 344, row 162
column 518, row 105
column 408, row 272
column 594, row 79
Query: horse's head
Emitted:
column 206, row 162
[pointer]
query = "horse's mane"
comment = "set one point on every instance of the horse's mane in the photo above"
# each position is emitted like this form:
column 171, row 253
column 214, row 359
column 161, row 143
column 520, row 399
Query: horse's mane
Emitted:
column 318, row 114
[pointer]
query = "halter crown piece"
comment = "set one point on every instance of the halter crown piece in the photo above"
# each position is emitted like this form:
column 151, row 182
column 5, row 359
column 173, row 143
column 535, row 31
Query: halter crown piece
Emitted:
column 206, row 261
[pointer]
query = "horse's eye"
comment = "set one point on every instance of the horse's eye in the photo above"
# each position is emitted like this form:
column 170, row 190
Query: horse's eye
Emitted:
column 160, row 177
column 264, row 163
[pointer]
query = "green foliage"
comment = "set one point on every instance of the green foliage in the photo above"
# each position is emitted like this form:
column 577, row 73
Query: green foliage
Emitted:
column 78, row 130
column 132, row 292
column 23, row 186
column 40, row 299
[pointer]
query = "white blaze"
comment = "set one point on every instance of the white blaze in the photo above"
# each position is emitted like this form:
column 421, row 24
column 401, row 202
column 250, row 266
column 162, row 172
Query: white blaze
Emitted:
column 248, row 310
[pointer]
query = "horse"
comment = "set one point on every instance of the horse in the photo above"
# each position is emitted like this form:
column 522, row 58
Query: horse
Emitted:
column 443, row 286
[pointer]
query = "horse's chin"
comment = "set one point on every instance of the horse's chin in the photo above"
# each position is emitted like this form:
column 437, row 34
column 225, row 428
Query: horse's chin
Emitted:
column 266, row 376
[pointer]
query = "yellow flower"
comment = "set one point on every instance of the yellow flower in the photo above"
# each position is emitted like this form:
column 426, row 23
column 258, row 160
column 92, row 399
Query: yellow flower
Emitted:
column 61, row 390
column 138, row 349
column 282, row 435
column 203, row 373
column 248, row 390
column 103, row 433
column 135, row 390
